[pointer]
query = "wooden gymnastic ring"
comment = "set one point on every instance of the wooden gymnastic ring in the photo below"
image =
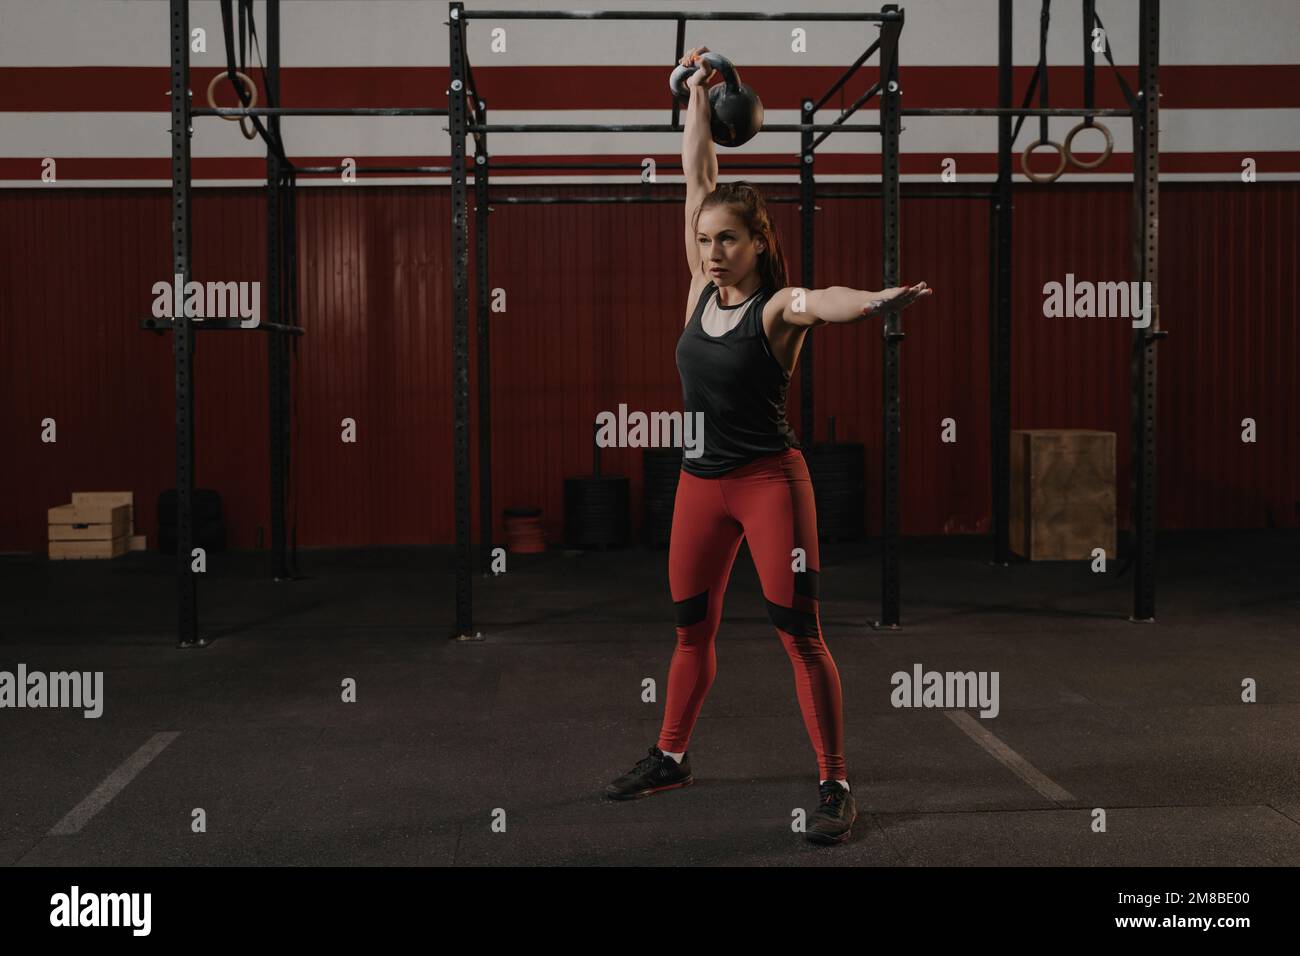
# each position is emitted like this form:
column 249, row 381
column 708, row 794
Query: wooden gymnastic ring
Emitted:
column 249, row 133
column 1110, row 145
column 1035, row 177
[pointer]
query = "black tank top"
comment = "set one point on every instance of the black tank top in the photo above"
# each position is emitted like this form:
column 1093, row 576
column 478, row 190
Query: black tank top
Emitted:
column 736, row 381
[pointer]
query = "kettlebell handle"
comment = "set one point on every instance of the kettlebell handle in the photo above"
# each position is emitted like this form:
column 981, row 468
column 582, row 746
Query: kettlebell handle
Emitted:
column 677, row 81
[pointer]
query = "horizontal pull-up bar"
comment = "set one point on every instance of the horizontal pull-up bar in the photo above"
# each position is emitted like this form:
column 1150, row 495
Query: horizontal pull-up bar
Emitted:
column 586, row 200
column 652, row 128
column 317, row 111
column 236, row 111
column 372, row 169
column 790, row 165
column 945, row 194
column 999, row 111
column 668, row 15
column 599, row 200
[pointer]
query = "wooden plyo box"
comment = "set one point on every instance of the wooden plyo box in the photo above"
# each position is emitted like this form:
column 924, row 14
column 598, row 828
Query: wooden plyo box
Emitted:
column 1062, row 493
column 84, row 499
column 89, row 531
column 112, row 548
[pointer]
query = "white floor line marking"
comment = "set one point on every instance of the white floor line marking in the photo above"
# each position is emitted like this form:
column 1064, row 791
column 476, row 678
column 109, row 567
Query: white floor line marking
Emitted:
column 1017, row 764
column 113, row 784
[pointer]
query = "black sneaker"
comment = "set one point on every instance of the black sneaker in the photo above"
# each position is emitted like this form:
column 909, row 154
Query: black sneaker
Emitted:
column 652, row 774
column 835, row 814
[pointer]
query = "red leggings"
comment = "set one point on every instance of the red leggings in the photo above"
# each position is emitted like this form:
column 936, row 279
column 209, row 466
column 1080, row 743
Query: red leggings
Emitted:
column 769, row 503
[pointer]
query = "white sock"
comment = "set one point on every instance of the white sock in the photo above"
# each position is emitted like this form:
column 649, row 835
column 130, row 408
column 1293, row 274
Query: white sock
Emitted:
column 677, row 757
column 842, row 783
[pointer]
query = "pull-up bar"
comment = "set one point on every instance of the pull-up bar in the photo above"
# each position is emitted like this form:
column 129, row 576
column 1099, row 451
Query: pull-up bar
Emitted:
column 665, row 15
column 996, row 111
column 372, row 169
column 653, row 128
column 600, row 200
column 727, row 168
column 317, row 111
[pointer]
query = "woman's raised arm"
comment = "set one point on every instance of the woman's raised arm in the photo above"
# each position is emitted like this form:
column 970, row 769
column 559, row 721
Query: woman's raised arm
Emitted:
column 699, row 160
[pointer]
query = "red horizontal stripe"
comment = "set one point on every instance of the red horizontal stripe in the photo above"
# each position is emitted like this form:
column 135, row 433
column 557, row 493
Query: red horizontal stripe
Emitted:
column 842, row 164
column 135, row 89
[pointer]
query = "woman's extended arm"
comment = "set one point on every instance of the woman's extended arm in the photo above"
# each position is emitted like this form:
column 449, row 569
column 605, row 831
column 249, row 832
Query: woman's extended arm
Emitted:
column 841, row 304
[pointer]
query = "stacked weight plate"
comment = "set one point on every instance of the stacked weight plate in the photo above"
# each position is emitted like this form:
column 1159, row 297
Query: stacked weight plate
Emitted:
column 662, row 467
column 838, row 472
column 208, row 529
column 596, row 512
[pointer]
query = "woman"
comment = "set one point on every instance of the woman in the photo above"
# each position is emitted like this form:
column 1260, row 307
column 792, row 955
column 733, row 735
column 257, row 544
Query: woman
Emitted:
column 743, row 331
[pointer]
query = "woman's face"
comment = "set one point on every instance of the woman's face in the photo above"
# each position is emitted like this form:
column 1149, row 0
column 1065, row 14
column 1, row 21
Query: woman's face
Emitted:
column 728, row 253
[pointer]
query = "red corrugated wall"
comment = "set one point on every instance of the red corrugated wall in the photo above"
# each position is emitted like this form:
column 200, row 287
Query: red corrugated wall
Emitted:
column 594, row 302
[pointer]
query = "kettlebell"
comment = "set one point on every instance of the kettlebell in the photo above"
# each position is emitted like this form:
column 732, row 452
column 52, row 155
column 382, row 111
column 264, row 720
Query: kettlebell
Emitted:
column 736, row 111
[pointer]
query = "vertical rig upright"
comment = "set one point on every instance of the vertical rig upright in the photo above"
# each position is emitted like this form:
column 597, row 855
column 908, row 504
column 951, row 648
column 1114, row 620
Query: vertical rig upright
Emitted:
column 277, row 346
column 481, row 211
column 1001, row 220
column 1146, row 237
column 182, row 332
column 460, row 315
column 807, row 233
column 890, row 94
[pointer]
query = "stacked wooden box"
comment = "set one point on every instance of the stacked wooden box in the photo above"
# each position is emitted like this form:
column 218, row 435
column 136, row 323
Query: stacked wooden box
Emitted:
column 1062, row 493
column 97, row 524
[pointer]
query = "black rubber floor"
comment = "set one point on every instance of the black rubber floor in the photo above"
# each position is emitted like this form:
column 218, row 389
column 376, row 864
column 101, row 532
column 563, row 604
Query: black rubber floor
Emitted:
column 498, row 752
